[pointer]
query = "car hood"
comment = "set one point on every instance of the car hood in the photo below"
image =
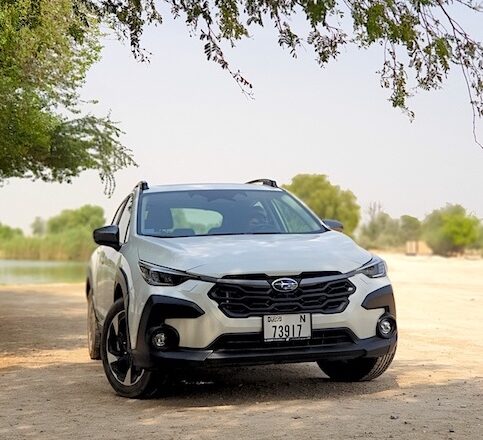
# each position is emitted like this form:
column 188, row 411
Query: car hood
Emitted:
column 221, row 255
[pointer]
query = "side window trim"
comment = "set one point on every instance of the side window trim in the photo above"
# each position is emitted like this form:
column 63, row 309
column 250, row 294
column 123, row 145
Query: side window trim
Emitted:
column 119, row 211
column 129, row 200
column 127, row 229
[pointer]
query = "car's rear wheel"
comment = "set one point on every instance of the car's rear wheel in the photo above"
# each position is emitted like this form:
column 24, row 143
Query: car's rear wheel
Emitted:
column 126, row 379
column 356, row 370
column 93, row 330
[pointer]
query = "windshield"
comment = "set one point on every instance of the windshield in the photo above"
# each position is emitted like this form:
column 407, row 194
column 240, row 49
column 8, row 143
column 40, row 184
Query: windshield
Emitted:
column 223, row 212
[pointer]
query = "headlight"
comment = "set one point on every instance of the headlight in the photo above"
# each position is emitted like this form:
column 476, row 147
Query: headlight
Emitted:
column 162, row 276
column 376, row 268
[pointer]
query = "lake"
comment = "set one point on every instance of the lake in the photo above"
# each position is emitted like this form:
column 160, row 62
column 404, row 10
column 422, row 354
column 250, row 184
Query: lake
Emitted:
column 41, row 272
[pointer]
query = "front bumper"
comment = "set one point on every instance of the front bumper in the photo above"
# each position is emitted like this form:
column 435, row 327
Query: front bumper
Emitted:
column 198, row 332
column 163, row 310
column 371, row 347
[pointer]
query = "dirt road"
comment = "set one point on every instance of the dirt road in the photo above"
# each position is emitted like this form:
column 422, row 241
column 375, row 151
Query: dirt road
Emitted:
column 49, row 389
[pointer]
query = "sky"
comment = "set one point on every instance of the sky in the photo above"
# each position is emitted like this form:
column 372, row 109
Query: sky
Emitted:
column 187, row 121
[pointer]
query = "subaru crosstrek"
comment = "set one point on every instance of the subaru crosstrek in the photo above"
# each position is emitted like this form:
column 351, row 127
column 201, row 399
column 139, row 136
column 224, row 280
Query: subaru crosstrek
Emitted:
column 232, row 274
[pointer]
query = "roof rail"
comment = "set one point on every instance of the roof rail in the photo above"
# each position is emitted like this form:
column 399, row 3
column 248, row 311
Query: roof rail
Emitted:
column 142, row 185
column 267, row 182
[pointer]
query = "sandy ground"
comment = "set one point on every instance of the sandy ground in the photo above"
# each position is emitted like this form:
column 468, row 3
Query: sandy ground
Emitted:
column 49, row 389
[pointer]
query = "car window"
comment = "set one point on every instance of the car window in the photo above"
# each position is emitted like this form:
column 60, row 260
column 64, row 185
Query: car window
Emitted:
column 223, row 212
column 292, row 216
column 200, row 221
column 124, row 221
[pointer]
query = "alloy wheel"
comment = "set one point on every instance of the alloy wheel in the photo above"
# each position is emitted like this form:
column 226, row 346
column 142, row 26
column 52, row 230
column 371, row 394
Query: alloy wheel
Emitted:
column 118, row 357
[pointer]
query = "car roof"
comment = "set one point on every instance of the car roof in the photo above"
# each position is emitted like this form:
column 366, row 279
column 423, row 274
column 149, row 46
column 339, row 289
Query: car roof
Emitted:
column 210, row 186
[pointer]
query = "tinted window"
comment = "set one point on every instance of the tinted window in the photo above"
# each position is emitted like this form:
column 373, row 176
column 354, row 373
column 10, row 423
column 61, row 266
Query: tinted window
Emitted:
column 223, row 212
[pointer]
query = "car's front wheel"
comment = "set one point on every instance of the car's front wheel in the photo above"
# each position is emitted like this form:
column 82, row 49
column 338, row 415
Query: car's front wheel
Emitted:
column 126, row 379
column 356, row 370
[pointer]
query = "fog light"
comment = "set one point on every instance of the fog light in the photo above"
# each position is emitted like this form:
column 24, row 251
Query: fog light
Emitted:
column 386, row 326
column 164, row 337
column 159, row 339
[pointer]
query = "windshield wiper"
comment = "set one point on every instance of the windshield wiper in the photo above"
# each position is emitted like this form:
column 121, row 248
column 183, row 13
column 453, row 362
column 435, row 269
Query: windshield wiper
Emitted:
column 264, row 233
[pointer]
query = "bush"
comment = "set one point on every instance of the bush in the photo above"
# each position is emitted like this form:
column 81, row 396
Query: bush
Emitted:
column 384, row 232
column 7, row 233
column 68, row 237
column 381, row 232
column 450, row 230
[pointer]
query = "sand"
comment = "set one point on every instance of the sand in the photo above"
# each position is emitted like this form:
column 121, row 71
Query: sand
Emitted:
column 50, row 389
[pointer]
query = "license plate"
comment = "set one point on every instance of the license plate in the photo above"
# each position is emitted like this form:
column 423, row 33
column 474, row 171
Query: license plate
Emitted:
column 287, row 327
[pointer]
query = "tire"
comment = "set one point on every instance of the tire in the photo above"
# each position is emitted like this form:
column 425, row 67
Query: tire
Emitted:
column 122, row 374
column 357, row 370
column 93, row 330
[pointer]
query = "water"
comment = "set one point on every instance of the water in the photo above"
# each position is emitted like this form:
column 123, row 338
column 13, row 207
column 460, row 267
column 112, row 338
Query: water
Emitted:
column 38, row 272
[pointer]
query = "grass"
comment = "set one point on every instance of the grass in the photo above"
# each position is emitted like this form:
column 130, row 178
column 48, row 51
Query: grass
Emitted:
column 71, row 245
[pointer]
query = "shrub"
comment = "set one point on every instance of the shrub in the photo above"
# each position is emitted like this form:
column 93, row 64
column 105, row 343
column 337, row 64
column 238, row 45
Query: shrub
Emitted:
column 450, row 230
column 68, row 237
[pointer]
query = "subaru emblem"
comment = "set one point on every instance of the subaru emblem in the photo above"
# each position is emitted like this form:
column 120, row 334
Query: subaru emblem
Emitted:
column 285, row 284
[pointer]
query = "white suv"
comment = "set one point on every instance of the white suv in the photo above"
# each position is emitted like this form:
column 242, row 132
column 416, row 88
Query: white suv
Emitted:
column 232, row 274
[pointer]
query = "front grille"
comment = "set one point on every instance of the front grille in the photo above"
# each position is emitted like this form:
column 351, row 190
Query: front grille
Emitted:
column 241, row 297
column 247, row 341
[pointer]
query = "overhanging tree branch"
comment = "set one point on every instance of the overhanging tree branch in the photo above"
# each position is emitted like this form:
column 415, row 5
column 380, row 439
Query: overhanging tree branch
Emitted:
column 421, row 38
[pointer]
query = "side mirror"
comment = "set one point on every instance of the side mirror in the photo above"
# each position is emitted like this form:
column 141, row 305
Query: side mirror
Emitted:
column 108, row 236
column 336, row 225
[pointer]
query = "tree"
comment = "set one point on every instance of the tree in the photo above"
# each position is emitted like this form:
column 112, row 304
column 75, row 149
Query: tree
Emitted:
column 450, row 230
column 381, row 231
column 326, row 200
column 420, row 39
column 88, row 217
column 409, row 228
column 39, row 227
column 46, row 48
column 479, row 242
column 7, row 232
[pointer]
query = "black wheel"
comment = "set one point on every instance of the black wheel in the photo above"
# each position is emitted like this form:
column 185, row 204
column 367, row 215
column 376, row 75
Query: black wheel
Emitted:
column 357, row 370
column 93, row 330
column 126, row 379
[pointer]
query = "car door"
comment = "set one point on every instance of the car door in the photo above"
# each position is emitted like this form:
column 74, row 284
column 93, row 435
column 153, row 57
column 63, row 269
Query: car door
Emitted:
column 109, row 259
